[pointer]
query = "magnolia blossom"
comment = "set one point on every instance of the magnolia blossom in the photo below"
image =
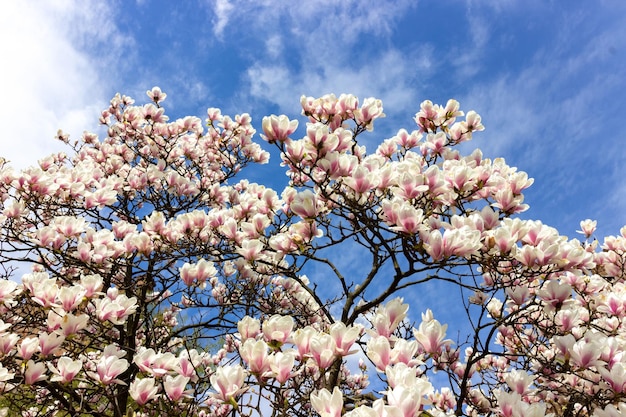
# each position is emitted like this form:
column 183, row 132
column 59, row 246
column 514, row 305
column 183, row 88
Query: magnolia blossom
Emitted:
column 430, row 334
column 200, row 272
column 92, row 284
column 409, row 398
column 8, row 341
column 65, row 370
column 281, row 364
column 611, row 411
column 116, row 310
column 404, row 352
column 401, row 374
column 108, row 368
column 28, row 347
column 70, row 297
column 278, row 128
column 248, row 328
column 254, row 353
column 512, row 405
column 278, row 328
column 187, row 362
column 149, row 245
column 250, row 249
column 370, row 110
column 157, row 364
column 452, row 242
column 45, row 291
column 156, row 94
column 143, row 390
column 5, row 375
column 8, row 290
column 387, row 318
column 302, row 339
column 34, row 372
column 586, row 354
column 71, row 324
column 327, row 404
column 344, row 337
column 379, row 351
column 227, row 381
column 305, row 205
column 322, row 350
column 588, row 227
column 49, row 343
column 519, row 381
column 175, row 386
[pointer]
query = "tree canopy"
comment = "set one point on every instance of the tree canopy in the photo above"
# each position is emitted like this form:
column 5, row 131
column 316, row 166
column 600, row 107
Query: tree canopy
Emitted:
column 146, row 274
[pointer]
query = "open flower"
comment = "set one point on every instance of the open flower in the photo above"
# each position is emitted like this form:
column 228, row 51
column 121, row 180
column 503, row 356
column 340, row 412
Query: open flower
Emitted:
column 281, row 364
column 277, row 329
column 143, row 390
column 35, row 371
column 65, row 370
column 327, row 404
column 109, row 367
column 254, row 353
column 278, row 128
column 587, row 227
column 227, row 381
column 430, row 334
column 175, row 386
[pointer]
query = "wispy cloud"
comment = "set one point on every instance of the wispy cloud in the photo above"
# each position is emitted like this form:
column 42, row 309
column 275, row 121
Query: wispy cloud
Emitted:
column 274, row 46
column 388, row 78
column 223, row 10
column 548, row 80
column 544, row 116
column 48, row 77
column 317, row 48
column 468, row 58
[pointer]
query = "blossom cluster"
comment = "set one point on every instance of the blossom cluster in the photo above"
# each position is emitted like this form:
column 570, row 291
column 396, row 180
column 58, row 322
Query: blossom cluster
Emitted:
column 162, row 281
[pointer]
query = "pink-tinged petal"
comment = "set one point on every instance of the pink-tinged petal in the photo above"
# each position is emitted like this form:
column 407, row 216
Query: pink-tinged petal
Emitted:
column 143, row 390
column 327, row 404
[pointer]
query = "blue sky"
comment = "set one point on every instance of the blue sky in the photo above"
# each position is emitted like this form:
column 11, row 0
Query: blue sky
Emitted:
column 548, row 77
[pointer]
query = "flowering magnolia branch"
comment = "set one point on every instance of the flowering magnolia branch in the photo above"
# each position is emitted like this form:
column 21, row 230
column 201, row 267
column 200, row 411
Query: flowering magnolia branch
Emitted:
column 162, row 283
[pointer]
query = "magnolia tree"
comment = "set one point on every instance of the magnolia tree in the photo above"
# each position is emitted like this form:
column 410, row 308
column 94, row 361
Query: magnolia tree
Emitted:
column 145, row 276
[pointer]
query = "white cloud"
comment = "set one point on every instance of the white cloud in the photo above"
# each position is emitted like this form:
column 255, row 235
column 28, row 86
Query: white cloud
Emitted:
column 274, row 46
column 222, row 9
column 563, row 88
column 327, row 26
column 273, row 83
column 48, row 82
column 611, row 212
column 555, row 118
column 478, row 27
column 389, row 77
column 467, row 59
column 324, row 43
